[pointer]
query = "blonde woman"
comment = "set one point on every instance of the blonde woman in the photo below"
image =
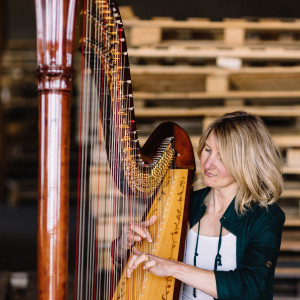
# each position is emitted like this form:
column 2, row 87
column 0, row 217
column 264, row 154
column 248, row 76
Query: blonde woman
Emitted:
column 235, row 226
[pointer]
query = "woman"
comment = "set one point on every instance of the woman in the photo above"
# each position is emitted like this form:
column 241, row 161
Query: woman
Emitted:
column 235, row 226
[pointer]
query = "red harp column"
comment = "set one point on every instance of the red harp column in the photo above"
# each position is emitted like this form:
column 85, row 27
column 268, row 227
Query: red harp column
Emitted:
column 55, row 27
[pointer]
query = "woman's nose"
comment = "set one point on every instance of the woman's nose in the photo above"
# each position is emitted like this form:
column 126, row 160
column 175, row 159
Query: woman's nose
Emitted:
column 210, row 162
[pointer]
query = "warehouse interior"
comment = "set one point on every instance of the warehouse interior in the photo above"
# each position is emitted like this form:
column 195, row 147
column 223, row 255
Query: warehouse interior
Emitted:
column 189, row 64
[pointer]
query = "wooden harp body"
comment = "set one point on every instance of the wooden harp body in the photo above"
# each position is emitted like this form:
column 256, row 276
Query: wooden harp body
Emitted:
column 129, row 184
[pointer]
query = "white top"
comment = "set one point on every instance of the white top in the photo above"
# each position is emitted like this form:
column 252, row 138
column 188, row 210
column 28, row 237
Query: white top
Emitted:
column 207, row 251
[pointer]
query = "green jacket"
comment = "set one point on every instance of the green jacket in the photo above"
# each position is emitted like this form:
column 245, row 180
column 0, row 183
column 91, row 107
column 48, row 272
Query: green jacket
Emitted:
column 258, row 238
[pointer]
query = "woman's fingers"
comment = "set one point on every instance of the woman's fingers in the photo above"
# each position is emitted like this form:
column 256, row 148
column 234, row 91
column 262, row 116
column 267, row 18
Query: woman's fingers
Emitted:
column 143, row 258
column 132, row 237
column 150, row 264
column 157, row 266
column 135, row 232
column 135, row 261
column 139, row 231
column 129, row 268
column 150, row 221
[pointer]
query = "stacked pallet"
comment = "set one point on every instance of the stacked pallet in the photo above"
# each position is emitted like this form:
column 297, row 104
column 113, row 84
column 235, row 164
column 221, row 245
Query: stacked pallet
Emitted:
column 193, row 71
column 20, row 104
column 19, row 99
column 229, row 32
column 197, row 70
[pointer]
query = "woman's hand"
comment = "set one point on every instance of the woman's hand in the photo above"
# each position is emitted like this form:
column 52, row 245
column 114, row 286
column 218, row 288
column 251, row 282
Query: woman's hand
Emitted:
column 157, row 266
column 135, row 232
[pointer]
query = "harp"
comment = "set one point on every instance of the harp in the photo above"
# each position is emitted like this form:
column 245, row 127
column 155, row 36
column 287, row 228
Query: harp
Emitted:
column 125, row 182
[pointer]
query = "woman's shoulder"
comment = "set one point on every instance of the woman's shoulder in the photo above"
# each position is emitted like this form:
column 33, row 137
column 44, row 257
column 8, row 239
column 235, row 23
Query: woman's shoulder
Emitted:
column 271, row 214
column 256, row 220
column 271, row 210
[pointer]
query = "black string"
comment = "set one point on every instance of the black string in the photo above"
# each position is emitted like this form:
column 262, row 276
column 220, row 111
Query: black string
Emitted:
column 218, row 259
column 196, row 254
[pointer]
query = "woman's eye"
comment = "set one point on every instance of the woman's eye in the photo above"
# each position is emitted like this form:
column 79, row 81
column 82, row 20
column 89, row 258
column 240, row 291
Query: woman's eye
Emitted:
column 207, row 149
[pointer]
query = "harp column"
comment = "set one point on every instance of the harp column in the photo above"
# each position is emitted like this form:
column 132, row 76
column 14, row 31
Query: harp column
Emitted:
column 55, row 31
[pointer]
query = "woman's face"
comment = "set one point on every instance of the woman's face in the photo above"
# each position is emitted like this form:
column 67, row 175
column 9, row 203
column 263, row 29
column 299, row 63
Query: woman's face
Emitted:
column 213, row 171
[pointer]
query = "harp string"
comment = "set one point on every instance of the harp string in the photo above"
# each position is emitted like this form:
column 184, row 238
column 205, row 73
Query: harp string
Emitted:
column 81, row 213
column 106, row 124
column 98, row 199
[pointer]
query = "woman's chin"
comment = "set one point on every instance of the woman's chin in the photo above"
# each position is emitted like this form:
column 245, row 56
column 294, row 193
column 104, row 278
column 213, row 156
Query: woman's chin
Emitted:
column 208, row 182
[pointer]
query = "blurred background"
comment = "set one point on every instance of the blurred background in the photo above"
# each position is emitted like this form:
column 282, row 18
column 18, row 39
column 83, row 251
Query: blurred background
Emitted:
column 190, row 63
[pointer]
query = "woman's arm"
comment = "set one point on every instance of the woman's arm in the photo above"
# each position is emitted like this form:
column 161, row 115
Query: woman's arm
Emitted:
column 249, row 281
column 255, row 274
column 203, row 280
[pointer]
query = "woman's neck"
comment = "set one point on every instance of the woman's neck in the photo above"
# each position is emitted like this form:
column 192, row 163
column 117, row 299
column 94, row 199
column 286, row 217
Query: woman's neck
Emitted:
column 219, row 199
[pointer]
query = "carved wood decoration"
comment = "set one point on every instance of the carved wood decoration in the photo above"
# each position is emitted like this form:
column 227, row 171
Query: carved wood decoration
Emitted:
column 55, row 25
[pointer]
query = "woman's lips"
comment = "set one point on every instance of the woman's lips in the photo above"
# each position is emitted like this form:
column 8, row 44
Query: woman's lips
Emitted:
column 207, row 173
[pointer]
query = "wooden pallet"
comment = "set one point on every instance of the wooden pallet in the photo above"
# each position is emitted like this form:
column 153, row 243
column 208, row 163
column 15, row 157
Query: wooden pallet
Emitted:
column 227, row 32
column 291, row 242
column 213, row 112
column 155, row 83
column 267, row 84
column 209, row 55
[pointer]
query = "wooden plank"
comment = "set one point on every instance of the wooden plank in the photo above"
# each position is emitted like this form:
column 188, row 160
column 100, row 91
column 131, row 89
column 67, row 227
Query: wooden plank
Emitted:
column 189, row 69
column 163, row 83
column 284, row 259
column 290, row 241
column 287, row 140
column 291, row 190
column 293, row 246
column 217, row 83
column 144, row 36
column 287, row 273
column 234, row 36
column 193, row 23
column 230, row 32
column 234, row 102
column 292, row 222
column 171, row 112
column 291, row 169
column 195, row 86
column 201, row 53
column 127, row 13
column 293, row 156
column 216, row 95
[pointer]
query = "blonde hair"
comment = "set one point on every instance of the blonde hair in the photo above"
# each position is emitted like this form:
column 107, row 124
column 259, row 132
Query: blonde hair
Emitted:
column 250, row 156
